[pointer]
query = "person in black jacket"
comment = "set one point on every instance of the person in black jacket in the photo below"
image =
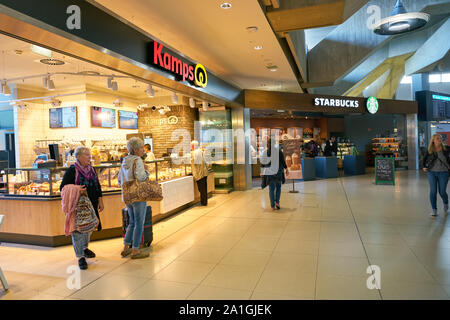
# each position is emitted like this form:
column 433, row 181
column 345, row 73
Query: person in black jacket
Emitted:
column 272, row 172
column 330, row 148
column 82, row 173
column 437, row 163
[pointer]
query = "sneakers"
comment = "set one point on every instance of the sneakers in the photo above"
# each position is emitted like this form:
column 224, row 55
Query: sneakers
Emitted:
column 445, row 208
column 126, row 253
column 277, row 206
column 89, row 254
column 82, row 263
column 434, row 213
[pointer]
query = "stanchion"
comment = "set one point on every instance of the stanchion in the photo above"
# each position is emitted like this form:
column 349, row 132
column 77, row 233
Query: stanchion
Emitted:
column 293, row 187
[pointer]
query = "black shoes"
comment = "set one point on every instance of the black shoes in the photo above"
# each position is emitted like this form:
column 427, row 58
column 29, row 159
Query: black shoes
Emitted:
column 88, row 253
column 82, row 263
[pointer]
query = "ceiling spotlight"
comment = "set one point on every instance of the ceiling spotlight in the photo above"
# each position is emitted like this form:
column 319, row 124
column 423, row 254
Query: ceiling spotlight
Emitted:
column 272, row 68
column 225, row 5
column 257, row 47
column 114, row 86
column 55, row 102
column 149, row 91
column 117, row 103
column 205, row 106
column 174, row 98
column 252, row 29
column 50, row 84
column 192, row 103
column 109, row 82
column 45, row 82
column 401, row 21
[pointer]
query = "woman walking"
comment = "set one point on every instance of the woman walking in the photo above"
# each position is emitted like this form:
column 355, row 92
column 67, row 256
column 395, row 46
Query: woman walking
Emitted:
column 437, row 163
column 133, row 168
column 272, row 172
column 83, row 175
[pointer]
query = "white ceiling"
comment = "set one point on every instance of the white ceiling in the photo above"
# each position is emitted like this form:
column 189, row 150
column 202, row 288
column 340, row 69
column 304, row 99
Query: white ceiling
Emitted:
column 215, row 37
column 13, row 65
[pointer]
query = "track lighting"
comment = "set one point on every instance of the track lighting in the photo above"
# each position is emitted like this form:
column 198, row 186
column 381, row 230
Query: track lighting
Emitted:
column 205, row 106
column 109, row 81
column 174, row 98
column 149, row 91
column 192, row 103
column 114, row 86
column 6, row 90
column 45, row 82
column 50, row 84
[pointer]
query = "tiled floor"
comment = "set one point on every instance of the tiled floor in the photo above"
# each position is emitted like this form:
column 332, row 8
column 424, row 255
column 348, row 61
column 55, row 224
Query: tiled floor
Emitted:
column 319, row 246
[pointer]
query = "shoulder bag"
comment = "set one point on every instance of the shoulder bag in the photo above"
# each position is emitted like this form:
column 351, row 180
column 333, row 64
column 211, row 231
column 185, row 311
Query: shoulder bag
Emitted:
column 137, row 191
column 85, row 220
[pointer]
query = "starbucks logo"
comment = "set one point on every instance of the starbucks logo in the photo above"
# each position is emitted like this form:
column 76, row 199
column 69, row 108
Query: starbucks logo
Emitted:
column 372, row 105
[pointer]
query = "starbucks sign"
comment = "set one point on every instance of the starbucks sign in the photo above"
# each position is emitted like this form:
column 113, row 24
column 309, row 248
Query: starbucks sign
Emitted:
column 372, row 105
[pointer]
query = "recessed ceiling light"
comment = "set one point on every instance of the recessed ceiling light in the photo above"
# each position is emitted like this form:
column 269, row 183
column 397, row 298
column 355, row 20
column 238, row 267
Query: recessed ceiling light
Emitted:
column 225, row 5
column 52, row 62
column 272, row 68
column 252, row 29
column 257, row 47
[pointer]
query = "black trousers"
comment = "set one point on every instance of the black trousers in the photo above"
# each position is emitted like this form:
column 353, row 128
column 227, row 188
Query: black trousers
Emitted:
column 203, row 189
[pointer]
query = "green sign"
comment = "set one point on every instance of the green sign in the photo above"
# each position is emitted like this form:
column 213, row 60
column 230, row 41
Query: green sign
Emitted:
column 372, row 105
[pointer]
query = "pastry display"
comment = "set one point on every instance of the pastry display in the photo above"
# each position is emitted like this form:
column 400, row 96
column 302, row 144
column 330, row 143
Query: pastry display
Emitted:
column 288, row 161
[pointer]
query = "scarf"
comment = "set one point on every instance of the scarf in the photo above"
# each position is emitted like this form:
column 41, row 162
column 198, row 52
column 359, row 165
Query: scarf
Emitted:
column 87, row 172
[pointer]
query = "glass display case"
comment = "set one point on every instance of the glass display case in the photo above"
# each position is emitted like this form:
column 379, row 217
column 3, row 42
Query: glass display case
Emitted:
column 45, row 182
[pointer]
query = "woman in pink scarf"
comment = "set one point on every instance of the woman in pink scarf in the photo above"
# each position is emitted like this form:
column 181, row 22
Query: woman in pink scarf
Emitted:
column 80, row 179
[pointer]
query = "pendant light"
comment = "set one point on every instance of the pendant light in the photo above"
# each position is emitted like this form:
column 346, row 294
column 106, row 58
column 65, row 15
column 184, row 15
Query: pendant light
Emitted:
column 401, row 21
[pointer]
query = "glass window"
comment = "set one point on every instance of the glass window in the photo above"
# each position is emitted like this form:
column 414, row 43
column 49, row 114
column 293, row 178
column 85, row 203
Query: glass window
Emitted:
column 406, row 80
column 435, row 78
column 446, row 77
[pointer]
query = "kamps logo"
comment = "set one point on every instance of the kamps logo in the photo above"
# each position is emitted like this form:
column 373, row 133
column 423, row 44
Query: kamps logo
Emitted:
column 183, row 71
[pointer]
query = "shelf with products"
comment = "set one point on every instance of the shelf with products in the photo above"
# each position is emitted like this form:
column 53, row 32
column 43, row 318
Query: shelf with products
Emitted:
column 388, row 146
column 45, row 182
column 345, row 149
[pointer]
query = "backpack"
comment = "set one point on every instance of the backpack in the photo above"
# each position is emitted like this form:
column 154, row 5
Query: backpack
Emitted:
column 85, row 220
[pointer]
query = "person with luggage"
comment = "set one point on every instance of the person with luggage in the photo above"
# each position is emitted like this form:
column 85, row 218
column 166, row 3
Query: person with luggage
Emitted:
column 133, row 168
column 437, row 164
column 199, row 171
column 83, row 176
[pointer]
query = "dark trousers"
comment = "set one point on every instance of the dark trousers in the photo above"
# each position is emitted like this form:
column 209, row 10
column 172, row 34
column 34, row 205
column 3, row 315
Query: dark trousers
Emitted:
column 203, row 189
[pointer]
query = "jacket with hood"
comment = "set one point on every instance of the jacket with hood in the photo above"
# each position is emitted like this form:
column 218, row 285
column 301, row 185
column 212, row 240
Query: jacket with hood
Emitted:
column 126, row 170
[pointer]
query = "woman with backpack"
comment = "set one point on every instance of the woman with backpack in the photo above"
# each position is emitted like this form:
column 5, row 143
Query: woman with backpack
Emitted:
column 437, row 164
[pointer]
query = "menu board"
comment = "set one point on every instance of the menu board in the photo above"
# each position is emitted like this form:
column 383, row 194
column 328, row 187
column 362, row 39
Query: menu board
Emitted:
column 63, row 117
column 384, row 170
column 103, row 117
column 291, row 150
column 128, row 120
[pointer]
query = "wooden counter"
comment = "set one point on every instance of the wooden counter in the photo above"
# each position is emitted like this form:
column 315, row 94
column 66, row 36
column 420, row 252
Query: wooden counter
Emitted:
column 37, row 221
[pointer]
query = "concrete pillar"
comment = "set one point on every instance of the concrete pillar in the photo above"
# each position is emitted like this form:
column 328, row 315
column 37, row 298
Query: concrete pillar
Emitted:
column 413, row 141
column 242, row 169
column 420, row 82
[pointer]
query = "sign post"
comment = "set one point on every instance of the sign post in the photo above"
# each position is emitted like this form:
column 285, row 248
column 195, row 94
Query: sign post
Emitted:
column 384, row 170
column 291, row 150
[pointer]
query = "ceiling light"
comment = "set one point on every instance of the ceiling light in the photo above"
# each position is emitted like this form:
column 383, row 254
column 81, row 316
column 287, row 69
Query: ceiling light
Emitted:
column 50, row 84
column 205, row 106
column 192, row 103
column 41, row 51
column 52, row 62
column 89, row 73
column 272, row 67
column 252, row 29
column 225, row 5
column 149, row 91
column 174, row 98
column 45, row 82
column 6, row 90
column 114, row 86
column 257, row 47
column 401, row 21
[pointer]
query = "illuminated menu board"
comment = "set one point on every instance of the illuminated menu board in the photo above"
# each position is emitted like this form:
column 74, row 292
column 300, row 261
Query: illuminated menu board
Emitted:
column 128, row 120
column 103, row 117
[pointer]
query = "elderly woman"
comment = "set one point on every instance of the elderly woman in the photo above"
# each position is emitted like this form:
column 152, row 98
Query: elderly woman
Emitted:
column 84, row 175
column 133, row 168
column 199, row 171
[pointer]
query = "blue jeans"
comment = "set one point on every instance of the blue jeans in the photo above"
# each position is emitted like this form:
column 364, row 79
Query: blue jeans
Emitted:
column 438, row 179
column 136, row 212
column 80, row 242
column 274, row 193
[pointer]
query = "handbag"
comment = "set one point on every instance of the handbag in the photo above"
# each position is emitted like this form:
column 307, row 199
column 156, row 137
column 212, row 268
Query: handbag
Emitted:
column 85, row 220
column 137, row 191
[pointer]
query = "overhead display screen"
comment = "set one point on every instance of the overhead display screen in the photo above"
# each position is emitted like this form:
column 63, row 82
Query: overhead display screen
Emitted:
column 128, row 120
column 63, row 117
column 103, row 117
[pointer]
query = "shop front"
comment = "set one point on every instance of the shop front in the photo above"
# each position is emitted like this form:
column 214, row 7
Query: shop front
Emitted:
column 363, row 128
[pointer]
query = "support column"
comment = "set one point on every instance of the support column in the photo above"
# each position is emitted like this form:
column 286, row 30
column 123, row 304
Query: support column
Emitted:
column 242, row 169
column 413, row 141
column 420, row 82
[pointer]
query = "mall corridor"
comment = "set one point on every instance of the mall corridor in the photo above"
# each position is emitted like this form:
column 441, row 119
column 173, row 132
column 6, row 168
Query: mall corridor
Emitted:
column 318, row 246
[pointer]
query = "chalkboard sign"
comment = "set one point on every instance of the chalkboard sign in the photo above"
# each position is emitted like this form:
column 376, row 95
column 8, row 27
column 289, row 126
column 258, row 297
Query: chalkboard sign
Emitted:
column 384, row 170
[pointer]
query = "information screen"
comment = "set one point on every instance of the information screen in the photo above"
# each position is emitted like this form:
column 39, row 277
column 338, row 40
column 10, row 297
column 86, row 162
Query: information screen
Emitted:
column 128, row 120
column 63, row 117
column 103, row 117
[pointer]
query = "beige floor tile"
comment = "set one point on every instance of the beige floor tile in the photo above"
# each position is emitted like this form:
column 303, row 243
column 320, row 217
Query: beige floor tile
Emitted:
column 185, row 271
column 145, row 268
column 392, row 290
column 162, row 290
column 246, row 258
column 201, row 253
column 300, row 263
column 274, row 296
column 382, row 238
column 215, row 293
column 403, row 270
column 296, row 246
column 342, row 266
column 342, row 249
column 339, row 236
column 220, row 241
column 344, row 288
column 110, row 287
column 301, row 235
column 234, row 277
column 258, row 243
column 397, row 252
column 289, row 283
